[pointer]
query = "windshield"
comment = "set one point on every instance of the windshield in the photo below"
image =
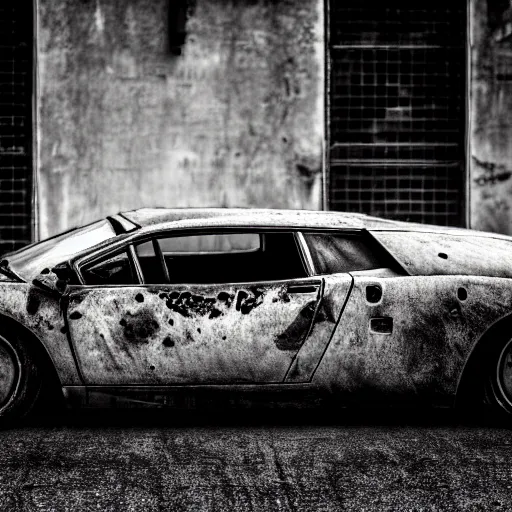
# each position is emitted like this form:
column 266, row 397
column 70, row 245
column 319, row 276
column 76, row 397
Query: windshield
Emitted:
column 29, row 261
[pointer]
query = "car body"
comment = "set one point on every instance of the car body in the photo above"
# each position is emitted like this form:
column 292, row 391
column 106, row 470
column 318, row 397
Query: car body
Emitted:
column 144, row 305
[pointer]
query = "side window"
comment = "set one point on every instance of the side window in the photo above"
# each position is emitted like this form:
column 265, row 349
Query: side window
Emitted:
column 333, row 253
column 220, row 258
column 113, row 269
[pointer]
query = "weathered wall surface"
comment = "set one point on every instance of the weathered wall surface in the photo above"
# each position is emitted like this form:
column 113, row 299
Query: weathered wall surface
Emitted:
column 235, row 120
column 491, row 119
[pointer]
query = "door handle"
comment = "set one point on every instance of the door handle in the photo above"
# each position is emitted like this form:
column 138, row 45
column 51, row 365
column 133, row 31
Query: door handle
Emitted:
column 303, row 288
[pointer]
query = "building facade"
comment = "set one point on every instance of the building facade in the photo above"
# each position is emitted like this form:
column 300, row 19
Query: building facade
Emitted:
column 17, row 156
column 396, row 108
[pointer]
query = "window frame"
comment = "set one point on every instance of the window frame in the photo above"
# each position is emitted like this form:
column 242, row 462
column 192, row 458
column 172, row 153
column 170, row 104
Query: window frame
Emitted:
column 105, row 255
column 128, row 244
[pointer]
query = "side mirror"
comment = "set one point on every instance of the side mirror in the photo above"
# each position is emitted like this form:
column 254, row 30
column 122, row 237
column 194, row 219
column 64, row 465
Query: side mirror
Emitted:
column 50, row 282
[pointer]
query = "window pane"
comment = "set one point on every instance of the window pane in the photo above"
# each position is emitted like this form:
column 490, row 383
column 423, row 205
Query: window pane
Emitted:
column 223, row 258
column 209, row 244
column 150, row 263
column 338, row 253
column 146, row 250
column 113, row 270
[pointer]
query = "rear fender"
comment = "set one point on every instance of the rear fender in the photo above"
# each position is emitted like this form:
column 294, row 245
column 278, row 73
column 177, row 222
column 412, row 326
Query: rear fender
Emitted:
column 436, row 323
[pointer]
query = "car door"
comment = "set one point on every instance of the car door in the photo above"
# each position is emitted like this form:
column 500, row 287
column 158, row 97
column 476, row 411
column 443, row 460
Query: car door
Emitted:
column 221, row 308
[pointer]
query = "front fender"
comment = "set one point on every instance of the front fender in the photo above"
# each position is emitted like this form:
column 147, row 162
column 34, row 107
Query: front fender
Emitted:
column 40, row 314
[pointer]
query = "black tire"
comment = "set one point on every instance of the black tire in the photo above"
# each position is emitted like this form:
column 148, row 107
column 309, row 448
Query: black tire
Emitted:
column 498, row 381
column 20, row 378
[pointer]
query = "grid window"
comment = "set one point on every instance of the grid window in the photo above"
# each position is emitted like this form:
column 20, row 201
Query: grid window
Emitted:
column 397, row 108
column 416, row 193
column 15, row 123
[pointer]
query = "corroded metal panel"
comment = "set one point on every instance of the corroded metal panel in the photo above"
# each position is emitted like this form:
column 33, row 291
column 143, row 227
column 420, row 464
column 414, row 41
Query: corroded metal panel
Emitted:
column 434, row 329
column 449, row 253
column 40, row 313
column 336, row 291
column 190, row 334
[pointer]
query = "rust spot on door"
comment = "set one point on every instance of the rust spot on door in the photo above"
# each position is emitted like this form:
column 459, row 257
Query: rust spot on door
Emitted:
column 189, row 305
column 245, row 303
column 33, row 303
column 168, row 342
column 139, row 326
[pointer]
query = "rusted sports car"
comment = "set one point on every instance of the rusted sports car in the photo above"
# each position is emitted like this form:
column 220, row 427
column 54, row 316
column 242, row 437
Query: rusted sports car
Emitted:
column 140, row 306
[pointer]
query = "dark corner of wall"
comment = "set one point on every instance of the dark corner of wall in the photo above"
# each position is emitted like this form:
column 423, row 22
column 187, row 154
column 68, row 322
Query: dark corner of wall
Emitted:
column 498, row 11
column 178, row 12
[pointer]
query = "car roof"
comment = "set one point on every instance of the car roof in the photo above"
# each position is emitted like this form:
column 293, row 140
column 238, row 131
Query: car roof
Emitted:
column 144, row 217
column 167, row 218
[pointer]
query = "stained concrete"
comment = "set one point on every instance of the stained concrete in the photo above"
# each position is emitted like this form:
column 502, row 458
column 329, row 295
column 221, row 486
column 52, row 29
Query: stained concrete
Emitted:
column 490, row 136
column 123, row 121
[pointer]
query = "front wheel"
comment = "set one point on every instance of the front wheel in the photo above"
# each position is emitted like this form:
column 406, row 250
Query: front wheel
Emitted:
column 20, row 378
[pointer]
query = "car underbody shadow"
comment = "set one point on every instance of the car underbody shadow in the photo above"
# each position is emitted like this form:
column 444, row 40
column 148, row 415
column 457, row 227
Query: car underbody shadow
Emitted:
column 218, row 415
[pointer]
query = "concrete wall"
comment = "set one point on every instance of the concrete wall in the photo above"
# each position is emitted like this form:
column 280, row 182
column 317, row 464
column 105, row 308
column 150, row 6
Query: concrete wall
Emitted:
column 236, row 120
column 490, row 174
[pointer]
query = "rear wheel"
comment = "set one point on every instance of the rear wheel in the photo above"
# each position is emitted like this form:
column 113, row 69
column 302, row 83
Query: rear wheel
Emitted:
column 498, row 390
column 20, row 378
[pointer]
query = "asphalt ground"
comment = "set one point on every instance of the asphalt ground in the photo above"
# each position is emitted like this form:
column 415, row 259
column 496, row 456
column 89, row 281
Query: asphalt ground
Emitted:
column 255, row 461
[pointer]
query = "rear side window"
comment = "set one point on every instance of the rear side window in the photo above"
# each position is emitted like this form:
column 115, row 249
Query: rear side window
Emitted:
column 334, row 253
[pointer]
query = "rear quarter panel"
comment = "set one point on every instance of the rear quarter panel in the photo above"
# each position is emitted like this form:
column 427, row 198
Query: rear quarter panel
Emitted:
column 434, row 332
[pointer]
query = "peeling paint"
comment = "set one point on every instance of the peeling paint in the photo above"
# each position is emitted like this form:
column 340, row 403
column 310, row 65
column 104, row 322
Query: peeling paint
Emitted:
column 189, row 305
column 139, row 326
column 433, row 335
column 168, row 342
column 189, row 333
column 40, row 313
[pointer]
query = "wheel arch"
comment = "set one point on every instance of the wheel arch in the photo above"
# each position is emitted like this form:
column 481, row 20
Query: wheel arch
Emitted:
column 470, row 381
column 29, row 336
